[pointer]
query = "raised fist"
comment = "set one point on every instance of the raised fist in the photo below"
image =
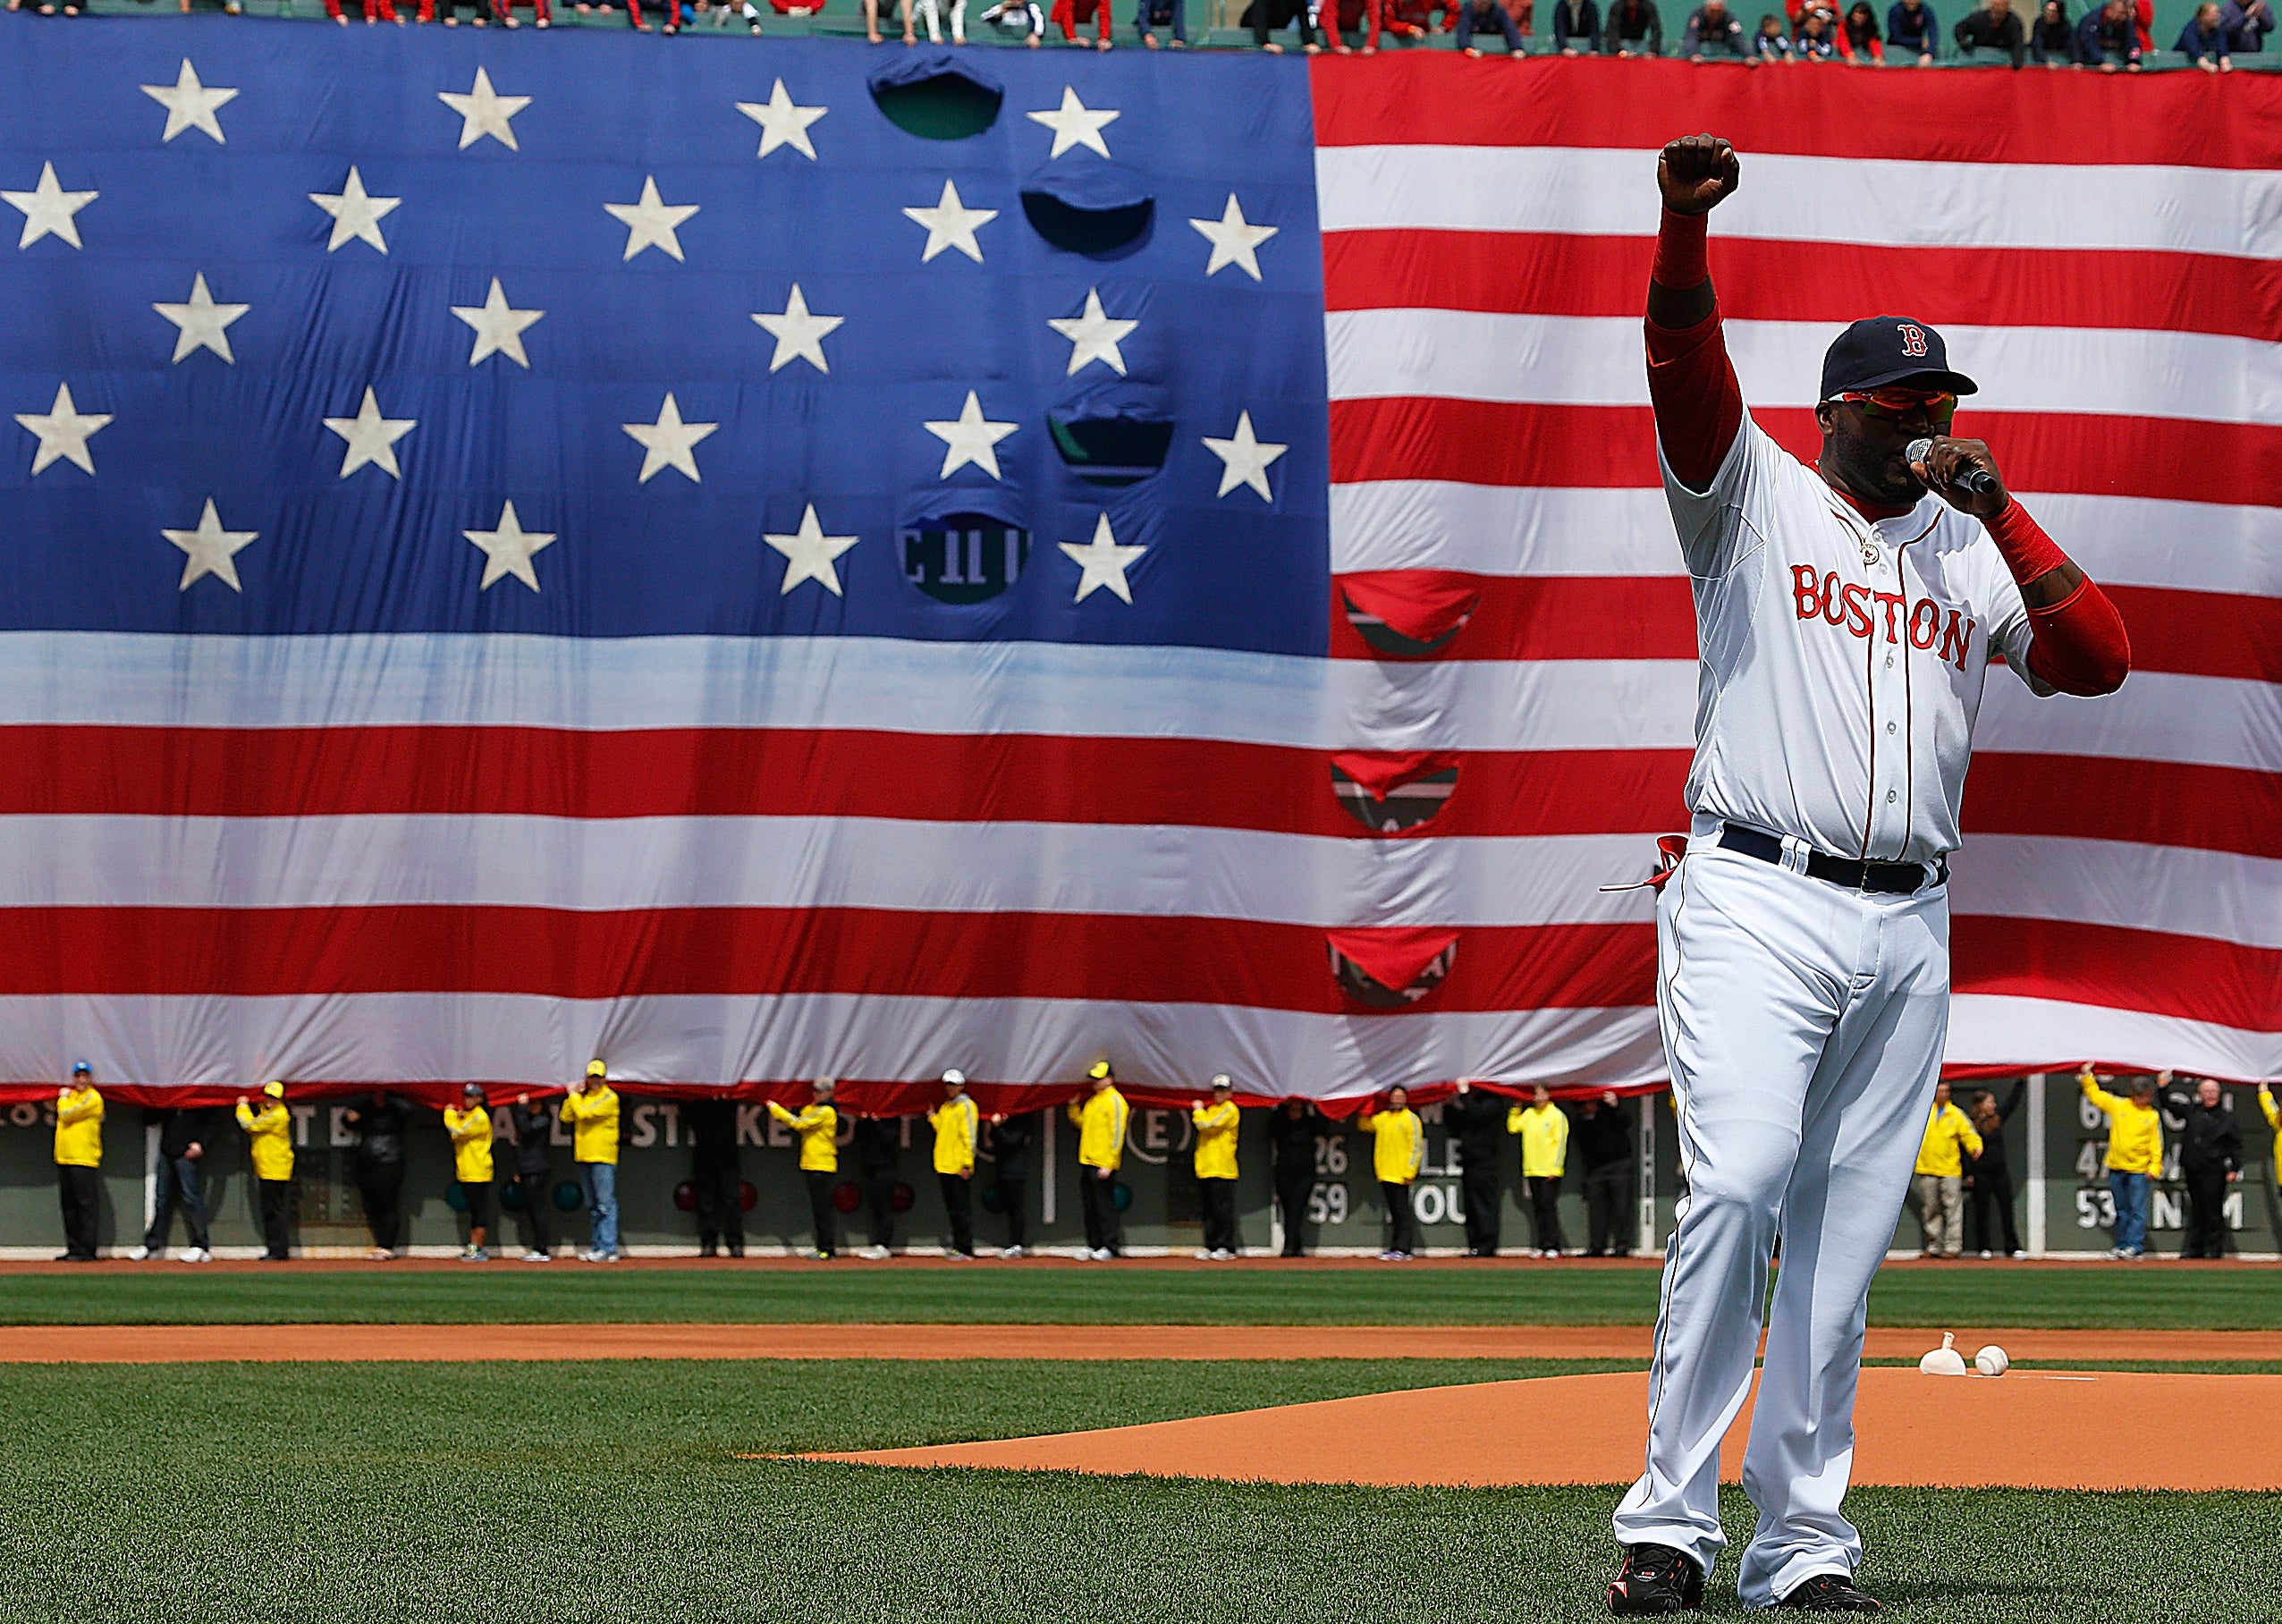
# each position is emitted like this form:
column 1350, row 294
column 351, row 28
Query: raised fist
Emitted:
column 1695, row 173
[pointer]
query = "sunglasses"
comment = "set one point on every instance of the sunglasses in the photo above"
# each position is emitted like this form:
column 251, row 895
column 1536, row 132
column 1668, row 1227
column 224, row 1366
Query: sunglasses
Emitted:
column 1902, row 402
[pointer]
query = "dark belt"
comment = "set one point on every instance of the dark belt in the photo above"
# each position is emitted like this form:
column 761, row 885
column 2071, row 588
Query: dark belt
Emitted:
column 1899, row 878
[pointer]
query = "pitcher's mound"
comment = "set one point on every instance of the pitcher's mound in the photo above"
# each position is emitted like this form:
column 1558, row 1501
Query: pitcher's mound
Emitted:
column 2031, row 1429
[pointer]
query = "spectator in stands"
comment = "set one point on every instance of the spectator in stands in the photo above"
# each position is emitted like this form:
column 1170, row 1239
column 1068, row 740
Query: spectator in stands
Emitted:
column 1989, row 1178
column 871, row 21
column 79, row 1163
column 2108, row 39
column 1292, row 1132
column 931, row 12
column 1636, row 29
column 2052, row 38
column 1020, row 10
column 469, row 1126
column 1152, row 18
column 1399, row 1150
column 2247, row 23
column 270, row 1135
column 1267, row 17
column 1949, row 1138
column 716, row 1175
column 2203, row 42
column 1576, row 27
column 1216, row 1122
column 533, row 1124
column 1603, row 1135
column 185, row 1133
column 1912, row 30
column 1011, row 1167
column 375, row 11
column 1712, row 29
column 452, row 11
column 1994, row 28
column 1478, row 1123
column 1771, row 44
column 379, row 1126
column 1101, row 1121
column 2134, row 1135
column 1486, row 14
column 542, row 12
column 876, row 1154
column 1070, row 16
column 1814, row 41
column 1544, row 1131
column 819, row 1125
column 2210, row 1158
column 955, row 1123
column 1858, row 36
column 1406, row 19
column 591, row 1109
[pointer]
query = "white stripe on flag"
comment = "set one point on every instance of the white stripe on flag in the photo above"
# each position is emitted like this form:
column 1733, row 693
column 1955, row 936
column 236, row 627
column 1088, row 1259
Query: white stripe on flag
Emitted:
column 1988, row 1030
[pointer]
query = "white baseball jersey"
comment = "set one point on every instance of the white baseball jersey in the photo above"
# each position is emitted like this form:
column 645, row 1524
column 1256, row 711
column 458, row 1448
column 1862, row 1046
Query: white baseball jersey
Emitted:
column 1842, row 658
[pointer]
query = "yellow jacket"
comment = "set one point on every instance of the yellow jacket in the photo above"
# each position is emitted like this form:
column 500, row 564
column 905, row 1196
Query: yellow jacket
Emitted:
column 955, row 1123
column 1544, row 1131
column 2135, row 1132
column 1216, row 1127
column 270, row 1132
column 78, row 1128
column 470, row 1132
column 1401, row 1145
column 818, row 1126
column 1949, row 1138
column 1101, row 1119
column 593, row 1117
column 2274, row 1120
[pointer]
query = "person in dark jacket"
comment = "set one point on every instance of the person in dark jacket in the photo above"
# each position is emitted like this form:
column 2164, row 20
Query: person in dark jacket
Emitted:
column 1634, row 28
column 1477, row 1120
column 1602, row 1135
column 716, row 1175
column 1011, row 1168
column 1474, row 15
column 2203, row 42
column 1152, row 18
column 1989, row 1176
column 379, row 1124
column 533, row 1124
column 1712, row 29
column 1913, row 31
column 1266, row 17
column 2210, row 1158
column 185, row 1134
column 2247, row 23
column 2052, row 37
column 1994, row 28
column 2108, row 38
column 1292, row 1132
column 1576, row 27
column 875, row 1152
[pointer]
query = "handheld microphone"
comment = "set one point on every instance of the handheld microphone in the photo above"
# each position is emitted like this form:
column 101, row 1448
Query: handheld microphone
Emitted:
column 1975, row 481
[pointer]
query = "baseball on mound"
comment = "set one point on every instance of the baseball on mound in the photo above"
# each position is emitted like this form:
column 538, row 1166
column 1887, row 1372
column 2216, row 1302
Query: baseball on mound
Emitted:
column 1944, row 1360
column 1992, row 1361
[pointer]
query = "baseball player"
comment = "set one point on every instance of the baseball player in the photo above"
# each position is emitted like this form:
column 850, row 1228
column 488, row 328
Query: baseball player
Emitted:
column 1847, row 612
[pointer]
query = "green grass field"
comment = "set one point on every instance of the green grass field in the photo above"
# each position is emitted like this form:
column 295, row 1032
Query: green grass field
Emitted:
column 2151, row 1296
column 555, row 1492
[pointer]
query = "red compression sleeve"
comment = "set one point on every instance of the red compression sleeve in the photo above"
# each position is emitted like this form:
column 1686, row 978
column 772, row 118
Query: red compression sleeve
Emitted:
column 1699, row 404
column 1680, row 261
column 2078, row 645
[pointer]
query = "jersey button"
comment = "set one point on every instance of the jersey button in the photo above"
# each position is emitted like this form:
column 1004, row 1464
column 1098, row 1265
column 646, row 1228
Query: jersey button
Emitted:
column 1893, row 796
column 1890, row 727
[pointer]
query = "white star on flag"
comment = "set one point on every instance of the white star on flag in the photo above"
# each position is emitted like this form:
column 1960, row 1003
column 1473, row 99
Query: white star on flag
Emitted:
column 202, row 323
column 808, row 553
column 48, row 209
column 1244, row 460
column 62, row 430
column 499, row 327
column 484, row 112
column 1075, row 124
column 800, row 335
column 355, row 212
column 372, row 438
column 1103, row 562
column 651, row 222
column 669, row 443
column 508, row 550
column 970, row 439
column 190, row 105
column 1093, row 336
column 212, row 550
column 782, row 124
column 950, row 223
column 1234, row 240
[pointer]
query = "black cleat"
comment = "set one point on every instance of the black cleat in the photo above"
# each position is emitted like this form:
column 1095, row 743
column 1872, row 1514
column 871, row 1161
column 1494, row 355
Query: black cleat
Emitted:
column 1828, row 1593
column 1656, row 1578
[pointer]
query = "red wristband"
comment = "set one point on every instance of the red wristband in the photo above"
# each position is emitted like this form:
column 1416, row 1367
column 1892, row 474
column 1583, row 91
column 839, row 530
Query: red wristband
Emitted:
column 2028, row 551
column 1680, row 262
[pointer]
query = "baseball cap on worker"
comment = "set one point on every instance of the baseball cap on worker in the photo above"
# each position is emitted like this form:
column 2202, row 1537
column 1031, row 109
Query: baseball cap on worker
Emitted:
column 1883, row 350
column 595, row 1067
column 954, row 1079
column 1098, row 1071
column 79, row 1067
column 273, row 1090
column 1222, row 1082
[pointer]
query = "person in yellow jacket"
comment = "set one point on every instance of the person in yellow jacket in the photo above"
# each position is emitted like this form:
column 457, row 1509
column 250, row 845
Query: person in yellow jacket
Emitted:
column 269, row 1136
column 2274, row 1120
column 469, row 1126
column 1400, row 1149
column 2134, row 1155
column 1101, row 1118
column 79, row 1163
column 1217, row 1122
column 1544, row 1131
column 592, row 1112
column 956, row 1122
column 1949, row 1138
column 819, row 1125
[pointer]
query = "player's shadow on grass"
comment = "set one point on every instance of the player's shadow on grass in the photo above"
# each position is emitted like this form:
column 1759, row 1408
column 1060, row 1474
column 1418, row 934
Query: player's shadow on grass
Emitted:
column 1968, row 1593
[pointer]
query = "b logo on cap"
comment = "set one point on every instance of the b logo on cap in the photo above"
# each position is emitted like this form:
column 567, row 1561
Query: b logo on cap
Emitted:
column 1913, row 340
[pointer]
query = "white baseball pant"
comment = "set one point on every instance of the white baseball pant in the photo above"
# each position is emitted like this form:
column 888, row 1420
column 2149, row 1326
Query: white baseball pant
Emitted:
column 1803, row 1024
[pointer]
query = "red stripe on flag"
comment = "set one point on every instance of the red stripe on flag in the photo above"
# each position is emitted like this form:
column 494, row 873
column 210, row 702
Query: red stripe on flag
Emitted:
column 2152, row 803
column 2187, row 977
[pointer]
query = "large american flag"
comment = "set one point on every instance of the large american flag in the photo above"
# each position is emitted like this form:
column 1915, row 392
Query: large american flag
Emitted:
column 522, row 550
